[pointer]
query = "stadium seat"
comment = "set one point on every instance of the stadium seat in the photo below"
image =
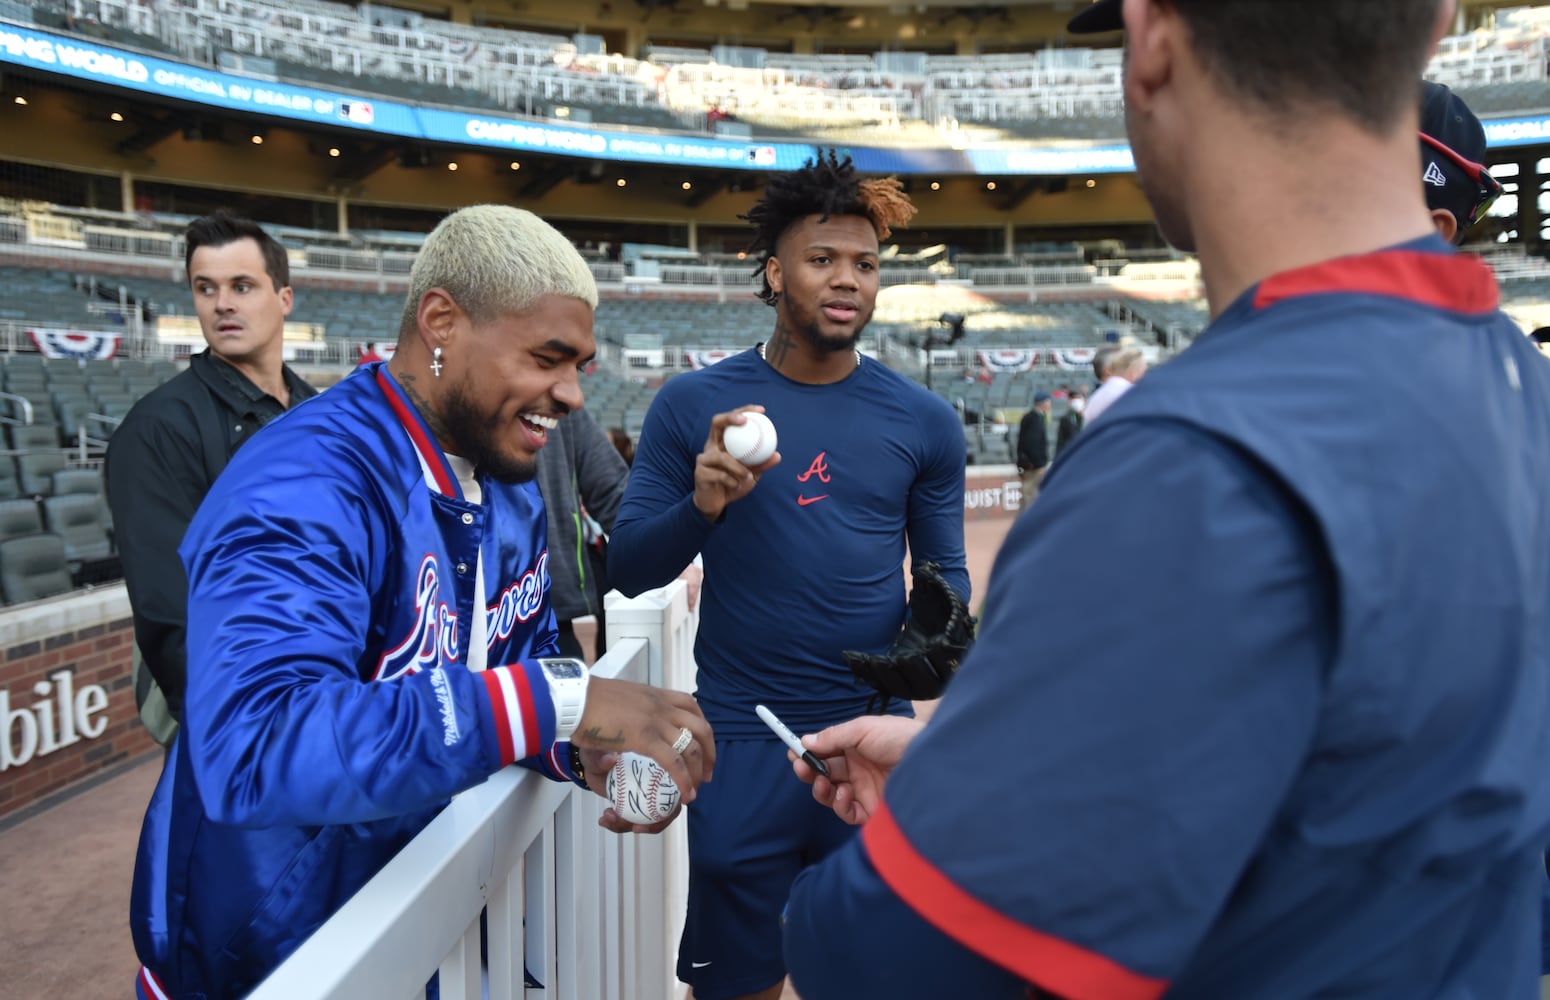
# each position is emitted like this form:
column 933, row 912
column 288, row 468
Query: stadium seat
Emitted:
column 10, row 485
column 77, row 518
column 33, row 567
column 36, row 471
column 78, row 481
column 19, row 517
column 34, row 437
column 72, row 413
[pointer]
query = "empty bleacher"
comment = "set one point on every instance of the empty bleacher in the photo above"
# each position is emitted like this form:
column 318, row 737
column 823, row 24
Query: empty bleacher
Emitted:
column 886, row 97
column 55, row 527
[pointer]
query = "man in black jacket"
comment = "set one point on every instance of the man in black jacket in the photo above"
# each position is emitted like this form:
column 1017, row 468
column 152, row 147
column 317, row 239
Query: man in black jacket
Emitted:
column 1070, row 424
column 175, row 441
column 1033, row 446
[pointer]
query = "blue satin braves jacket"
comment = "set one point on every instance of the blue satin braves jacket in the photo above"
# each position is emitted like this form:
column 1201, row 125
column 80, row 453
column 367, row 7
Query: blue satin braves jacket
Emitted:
column 330, row 712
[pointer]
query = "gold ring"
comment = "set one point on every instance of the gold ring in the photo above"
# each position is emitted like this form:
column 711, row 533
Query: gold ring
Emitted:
column 684, row 739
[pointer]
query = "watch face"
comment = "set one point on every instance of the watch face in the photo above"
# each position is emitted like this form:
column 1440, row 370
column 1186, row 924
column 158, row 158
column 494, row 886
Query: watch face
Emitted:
column 566, row 670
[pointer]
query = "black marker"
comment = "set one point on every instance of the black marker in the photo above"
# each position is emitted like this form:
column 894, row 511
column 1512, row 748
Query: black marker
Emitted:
column 790, row 739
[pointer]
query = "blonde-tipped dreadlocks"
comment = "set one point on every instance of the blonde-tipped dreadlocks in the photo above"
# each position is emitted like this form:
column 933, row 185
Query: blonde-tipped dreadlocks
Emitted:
column 886, row 204
column 825, row 186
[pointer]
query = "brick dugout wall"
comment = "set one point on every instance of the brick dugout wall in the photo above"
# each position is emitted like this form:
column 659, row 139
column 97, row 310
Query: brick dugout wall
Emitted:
column 74, row 649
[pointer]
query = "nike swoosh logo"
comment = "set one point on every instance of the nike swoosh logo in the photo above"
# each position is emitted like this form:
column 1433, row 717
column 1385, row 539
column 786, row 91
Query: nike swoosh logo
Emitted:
column 803, row 501
column 698, row 965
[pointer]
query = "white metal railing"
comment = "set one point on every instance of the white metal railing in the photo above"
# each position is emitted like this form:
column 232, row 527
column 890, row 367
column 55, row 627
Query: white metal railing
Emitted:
column 93, row 446
column 590, row 914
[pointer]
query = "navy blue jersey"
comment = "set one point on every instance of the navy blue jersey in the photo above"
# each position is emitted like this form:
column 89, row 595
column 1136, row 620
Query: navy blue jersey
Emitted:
column 809, row 563
column 1282, row 731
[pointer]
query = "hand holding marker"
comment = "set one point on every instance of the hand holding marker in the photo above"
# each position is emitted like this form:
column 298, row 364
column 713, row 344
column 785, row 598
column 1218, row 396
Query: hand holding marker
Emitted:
column 790, row 739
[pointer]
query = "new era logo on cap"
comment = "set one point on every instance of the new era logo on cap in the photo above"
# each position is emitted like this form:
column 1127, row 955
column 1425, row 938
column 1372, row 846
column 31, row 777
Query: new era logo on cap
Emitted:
column 1435, row 176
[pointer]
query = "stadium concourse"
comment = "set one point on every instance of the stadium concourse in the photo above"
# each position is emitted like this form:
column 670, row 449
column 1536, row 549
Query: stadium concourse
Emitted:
column 66, row 868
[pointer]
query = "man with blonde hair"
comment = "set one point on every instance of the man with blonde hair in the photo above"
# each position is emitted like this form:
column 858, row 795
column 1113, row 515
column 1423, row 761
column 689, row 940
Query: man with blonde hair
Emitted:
column 1125, row 367
column 369, row 629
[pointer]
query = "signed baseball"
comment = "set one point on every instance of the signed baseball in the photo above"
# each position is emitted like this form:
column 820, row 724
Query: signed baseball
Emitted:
column 751, row 442
column 640, row 790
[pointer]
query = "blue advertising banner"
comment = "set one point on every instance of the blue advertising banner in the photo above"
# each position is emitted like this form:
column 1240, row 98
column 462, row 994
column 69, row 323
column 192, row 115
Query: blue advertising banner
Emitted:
column 1517, row 131
column 637, row 147
column 66, row 56
column 1055, row 161
column 910, row 161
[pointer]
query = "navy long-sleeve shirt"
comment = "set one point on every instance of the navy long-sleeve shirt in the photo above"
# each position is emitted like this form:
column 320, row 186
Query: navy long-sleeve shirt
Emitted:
column 811, row 562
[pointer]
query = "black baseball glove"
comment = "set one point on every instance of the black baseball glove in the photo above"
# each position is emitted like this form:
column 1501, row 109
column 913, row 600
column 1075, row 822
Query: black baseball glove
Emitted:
column 927, row 652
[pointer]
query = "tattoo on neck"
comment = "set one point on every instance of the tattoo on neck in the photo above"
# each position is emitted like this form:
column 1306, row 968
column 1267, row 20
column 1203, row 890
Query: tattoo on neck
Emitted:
column 778, row 347
column 595, row 738
column 432, row 418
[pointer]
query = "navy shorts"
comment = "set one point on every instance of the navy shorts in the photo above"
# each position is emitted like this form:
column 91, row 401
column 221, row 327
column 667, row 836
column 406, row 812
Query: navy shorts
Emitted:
column 751, row 830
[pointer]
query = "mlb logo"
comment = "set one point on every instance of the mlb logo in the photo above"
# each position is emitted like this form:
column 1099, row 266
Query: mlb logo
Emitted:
column 358, row 112
column 763, row 156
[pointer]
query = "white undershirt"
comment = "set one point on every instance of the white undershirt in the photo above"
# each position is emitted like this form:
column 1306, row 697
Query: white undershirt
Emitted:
column 478, row 633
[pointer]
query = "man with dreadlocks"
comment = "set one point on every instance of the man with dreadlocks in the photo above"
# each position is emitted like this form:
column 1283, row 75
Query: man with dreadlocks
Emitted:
column 803, row 555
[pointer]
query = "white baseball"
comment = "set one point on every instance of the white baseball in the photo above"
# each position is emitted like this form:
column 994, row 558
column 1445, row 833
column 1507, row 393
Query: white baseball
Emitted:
column 640, row 790
column 751, row 442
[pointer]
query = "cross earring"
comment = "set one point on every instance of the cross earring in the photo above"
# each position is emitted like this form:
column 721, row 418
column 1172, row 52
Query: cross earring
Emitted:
column 436, row 362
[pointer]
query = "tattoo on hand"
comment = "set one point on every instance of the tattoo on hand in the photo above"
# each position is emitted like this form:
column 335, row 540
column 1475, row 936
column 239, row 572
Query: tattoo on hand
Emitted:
column 595, row 736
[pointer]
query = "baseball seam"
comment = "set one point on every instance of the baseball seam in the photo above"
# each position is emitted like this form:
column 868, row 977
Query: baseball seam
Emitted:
column 650, row 792
column 756, row 447
column 653, row 794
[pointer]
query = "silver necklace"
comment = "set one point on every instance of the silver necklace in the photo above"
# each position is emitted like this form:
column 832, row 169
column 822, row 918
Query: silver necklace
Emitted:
column 763, row 358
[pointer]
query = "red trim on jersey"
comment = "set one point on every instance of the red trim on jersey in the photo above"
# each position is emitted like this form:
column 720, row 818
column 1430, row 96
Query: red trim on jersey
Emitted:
column 423, row 442
column 1059, row 966
column 529, row 718
column 560, row 767
column 150, row 985
column 492, row 684
column 1455, row 282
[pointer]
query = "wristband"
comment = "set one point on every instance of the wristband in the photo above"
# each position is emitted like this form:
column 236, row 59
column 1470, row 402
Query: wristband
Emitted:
column 568, row 690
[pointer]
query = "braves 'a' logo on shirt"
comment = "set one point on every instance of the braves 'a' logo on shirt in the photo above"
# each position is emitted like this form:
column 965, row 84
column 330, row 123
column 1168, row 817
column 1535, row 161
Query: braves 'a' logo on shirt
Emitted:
column 818, row 469
column 434, row 633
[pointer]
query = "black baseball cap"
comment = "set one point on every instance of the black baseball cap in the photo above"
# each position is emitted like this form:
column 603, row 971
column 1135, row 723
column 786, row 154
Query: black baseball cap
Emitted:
column 1105, row 15
column 1452, row 157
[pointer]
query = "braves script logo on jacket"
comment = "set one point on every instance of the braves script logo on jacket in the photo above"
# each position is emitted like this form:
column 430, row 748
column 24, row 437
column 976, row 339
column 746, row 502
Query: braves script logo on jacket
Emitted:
column 435, row 625
column 519, row 602
column 432, row 638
